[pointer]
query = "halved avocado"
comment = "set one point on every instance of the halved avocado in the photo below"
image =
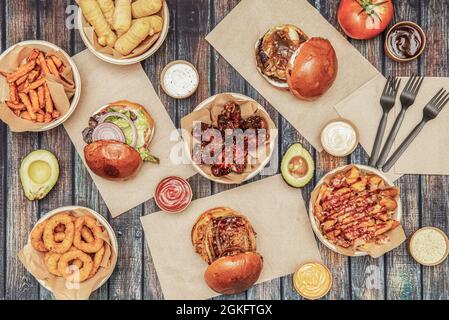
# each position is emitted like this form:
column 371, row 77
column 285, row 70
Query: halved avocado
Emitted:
column 297, row 166
column 39, row 173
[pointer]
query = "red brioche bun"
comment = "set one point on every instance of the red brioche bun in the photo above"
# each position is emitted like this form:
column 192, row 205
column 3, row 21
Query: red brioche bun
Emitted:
column 112, row 160
column 234, row 274
column 312, row 69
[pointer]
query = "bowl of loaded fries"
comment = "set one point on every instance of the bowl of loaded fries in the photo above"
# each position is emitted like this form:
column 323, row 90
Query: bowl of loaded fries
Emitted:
column 354, row 208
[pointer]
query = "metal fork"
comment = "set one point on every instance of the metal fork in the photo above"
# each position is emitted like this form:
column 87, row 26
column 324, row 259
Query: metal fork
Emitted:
column 430, row 112
column 387, row 101
column 407, row 98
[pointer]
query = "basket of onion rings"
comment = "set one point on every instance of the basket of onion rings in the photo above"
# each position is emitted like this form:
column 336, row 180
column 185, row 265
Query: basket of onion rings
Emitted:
column 71, row 251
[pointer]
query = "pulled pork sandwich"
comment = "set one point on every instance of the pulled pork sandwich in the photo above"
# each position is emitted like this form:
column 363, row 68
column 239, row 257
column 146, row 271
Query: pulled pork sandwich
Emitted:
column 274, row 50
column 118, row 139
column 226, row 240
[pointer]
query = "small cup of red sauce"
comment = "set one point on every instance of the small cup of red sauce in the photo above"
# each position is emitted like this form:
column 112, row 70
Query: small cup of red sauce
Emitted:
column 173, row 194
column 405, row 41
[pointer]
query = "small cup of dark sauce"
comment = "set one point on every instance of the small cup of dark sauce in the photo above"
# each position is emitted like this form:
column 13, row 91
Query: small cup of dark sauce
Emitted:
column 405, row 41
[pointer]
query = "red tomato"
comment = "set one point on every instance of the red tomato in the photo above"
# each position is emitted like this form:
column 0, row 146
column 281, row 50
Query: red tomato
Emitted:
column 365, row 19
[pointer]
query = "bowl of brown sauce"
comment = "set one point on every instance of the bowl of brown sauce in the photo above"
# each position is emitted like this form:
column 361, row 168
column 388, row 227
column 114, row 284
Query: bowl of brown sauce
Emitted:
column 405, row 41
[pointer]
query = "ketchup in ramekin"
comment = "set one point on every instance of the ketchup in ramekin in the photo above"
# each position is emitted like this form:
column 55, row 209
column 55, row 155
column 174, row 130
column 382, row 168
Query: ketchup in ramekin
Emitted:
column 173, row 194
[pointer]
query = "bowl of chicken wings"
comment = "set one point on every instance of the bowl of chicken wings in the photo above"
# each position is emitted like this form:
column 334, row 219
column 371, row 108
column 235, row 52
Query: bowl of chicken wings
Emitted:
column 229, row 138
column 354, row 208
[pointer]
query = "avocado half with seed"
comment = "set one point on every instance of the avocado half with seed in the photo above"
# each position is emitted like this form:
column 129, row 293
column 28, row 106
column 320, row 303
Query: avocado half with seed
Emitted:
column 297, row 166
column 39, row 173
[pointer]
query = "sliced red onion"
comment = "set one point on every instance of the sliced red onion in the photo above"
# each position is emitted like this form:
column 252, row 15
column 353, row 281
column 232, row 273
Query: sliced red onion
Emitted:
column 108, row 131
column 121, row 115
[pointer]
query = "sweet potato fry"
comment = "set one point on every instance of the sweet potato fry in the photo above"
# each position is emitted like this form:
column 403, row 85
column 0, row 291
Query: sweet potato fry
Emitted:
column 13, row 97
column 26, row 115
column 33, row 75
column 53, row 69
column 48, row 118
column 55, row 114
column 43, row 64
column 26, row 101
column 34, row 100
column 41, row 111
column 58, row 62
column 15, row 106
column 36, row 84
column 22, row 79
column 34, row 54
column 40, row 118
column 48, row 101
column 17, row 112
column 21, row 71
column 41, row 96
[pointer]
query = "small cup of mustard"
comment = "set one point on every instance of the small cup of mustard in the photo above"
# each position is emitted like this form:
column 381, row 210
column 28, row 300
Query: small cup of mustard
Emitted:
column 405, row 41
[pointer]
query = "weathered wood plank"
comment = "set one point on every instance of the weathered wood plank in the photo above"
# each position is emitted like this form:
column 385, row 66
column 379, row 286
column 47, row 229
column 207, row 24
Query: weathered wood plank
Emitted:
column 153, row 67
column 85, row 193
column 435, row 205
column 52, row 29
column 3, row 171
column 21, row 214
column 403, row 275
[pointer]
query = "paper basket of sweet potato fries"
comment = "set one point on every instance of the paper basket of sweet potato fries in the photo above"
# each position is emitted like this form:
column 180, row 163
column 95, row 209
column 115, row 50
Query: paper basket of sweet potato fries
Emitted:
column 356, row 210
column 39, row 86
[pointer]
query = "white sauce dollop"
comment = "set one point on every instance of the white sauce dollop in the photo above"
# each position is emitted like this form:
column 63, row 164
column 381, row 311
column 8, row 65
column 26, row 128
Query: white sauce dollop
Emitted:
column 339, row 138
column 180, row 80
column 428, row 246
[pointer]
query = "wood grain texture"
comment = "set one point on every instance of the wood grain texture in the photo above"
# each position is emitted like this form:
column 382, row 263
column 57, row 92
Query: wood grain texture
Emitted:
column 425, row 200
column 3, row 171
column 435, row 205
column 21, row 214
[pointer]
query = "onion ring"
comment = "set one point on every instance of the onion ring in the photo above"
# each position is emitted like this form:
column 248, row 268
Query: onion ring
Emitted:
column 66, row 270
column 98, row 258
column 124, row 117
column 36, row 237
column 51, row 260
column 96, row 230
column 49, row 237
column 87, row 235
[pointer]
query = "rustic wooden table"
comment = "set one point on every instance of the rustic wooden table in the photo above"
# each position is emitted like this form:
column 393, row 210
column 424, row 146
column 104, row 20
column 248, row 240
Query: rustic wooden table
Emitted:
column 425, row 198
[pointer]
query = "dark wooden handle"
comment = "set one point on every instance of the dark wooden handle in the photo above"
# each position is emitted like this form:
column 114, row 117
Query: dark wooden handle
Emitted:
column 378, row 141
column 404, row 145
column 391, row 138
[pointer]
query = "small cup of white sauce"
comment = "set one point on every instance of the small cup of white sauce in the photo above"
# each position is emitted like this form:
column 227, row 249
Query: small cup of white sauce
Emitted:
column 339, row 137
column 429, row 246
column 180, row 79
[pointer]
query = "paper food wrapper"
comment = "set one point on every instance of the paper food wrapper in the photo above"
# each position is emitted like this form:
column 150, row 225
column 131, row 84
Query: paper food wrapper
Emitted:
column 109, row 83
column 208, row 114
column 395, row 237
column 33, row 261
column 234, row 38
column 61, row 90
column 141, row 48
column 284, row 236
column 428, row 153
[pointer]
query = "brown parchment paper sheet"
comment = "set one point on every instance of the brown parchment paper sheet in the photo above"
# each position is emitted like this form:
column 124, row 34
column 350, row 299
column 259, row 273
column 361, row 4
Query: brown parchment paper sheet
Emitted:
column 235, row 38
column 208, row 114
column 33, row 261
column 141, row 48
column 284, row 236
column 61, row 90
column 104, row 83
column 396, row 236
column 429, row 152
